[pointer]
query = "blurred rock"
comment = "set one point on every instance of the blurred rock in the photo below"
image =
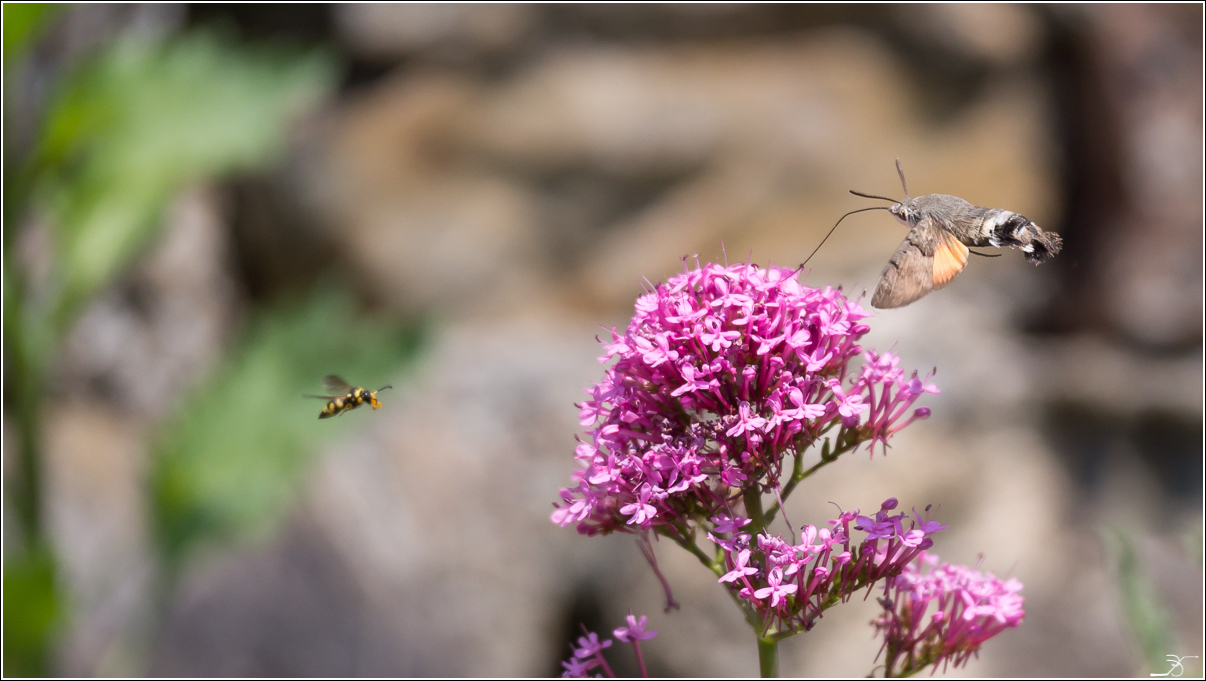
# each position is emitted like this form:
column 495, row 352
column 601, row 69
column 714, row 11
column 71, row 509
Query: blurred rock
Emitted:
column 288, row 608
column 149, row 338
column 1003, row 35
column 128, row 363
column 1088, row 369
column 439, row 183
column 428, row 229
column 387, row 32
column 95, row 462
column 454, row 481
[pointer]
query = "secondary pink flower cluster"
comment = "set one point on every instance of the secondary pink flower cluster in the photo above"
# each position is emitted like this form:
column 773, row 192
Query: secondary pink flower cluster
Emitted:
column 790, row 585
column 969, row 608
column 722, row 372
column 589, row 653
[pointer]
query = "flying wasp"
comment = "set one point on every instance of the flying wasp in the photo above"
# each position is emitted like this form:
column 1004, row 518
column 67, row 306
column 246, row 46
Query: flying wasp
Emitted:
column 349, row 400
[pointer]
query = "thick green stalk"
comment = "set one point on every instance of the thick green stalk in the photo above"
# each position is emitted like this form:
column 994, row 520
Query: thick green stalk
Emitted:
column 768, row 658
column 753, row 509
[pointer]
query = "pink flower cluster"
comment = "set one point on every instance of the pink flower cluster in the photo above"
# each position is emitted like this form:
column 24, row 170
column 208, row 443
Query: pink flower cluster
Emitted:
column 589, row 653
column 969, row 608
column 722, row 373
column 790, row 585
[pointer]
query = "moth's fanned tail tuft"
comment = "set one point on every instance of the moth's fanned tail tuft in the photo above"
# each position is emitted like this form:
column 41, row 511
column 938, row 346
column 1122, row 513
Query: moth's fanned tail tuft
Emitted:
column 1042, row 244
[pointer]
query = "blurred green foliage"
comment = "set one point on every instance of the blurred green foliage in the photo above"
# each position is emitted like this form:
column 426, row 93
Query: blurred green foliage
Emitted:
column 1193, row 540
column 23, row 22
column 30, row 612
column 1148, row 619
column 129, row 129
column 226, row 468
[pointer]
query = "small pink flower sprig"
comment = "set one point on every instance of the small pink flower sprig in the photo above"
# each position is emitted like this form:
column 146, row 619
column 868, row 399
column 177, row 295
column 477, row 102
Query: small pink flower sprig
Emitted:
column 724, row 373
column 785, row 587
column 589, row 653
column 969, row 608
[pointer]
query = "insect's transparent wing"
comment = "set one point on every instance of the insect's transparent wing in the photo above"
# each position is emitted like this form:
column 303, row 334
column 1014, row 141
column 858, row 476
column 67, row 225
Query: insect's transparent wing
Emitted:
column 336, row 384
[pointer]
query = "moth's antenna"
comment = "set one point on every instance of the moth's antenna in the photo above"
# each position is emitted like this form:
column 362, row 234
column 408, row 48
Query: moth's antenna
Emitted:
column 903, row 186
column 984, row 255
column 860, row 210
column 873, row 196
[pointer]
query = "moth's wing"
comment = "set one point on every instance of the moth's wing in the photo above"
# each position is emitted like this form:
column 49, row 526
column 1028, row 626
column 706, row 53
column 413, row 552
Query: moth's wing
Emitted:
column 909, row 274
column 324, row 397
column 336, row 384
column 950, row 256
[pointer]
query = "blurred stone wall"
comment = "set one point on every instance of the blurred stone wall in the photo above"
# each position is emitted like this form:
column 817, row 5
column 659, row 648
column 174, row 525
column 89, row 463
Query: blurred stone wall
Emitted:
column 513, row 173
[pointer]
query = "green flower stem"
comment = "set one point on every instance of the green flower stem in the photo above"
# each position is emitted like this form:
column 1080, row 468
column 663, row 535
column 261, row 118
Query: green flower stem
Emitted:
column 688, row 542
column 716, row 565
column 753, row 508
column 798, row 473
column 768, row 658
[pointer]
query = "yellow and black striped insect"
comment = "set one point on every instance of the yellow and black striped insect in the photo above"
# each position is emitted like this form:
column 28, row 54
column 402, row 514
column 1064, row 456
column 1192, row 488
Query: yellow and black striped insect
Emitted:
column 349, row 400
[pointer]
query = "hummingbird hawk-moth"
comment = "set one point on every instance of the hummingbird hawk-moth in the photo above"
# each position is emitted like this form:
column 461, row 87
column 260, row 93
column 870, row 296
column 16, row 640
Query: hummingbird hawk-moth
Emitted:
column 941, row 227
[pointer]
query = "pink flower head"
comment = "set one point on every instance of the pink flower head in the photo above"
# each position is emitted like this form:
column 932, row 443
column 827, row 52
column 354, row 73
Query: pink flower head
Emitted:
column 970, row 608
column 723, row 373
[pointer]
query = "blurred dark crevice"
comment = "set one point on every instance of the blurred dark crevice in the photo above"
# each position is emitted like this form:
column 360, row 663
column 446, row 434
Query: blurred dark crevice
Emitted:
column 1111, row 96
column 1087, row 439
column 1171, row 444
column 306, row 24
column 660, row 24
column 282, row 250
column 1092, row 178
column 279, row 251
column 363, row 74
column 583, row 611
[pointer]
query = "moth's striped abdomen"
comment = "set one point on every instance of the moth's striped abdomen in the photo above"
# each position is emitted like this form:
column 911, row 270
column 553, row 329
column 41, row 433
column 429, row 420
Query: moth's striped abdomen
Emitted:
column 1001, row 227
